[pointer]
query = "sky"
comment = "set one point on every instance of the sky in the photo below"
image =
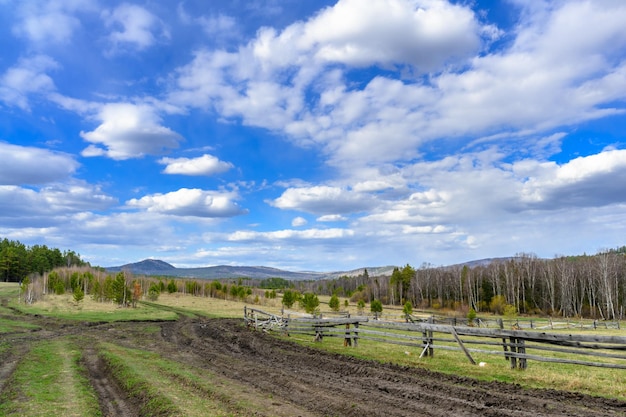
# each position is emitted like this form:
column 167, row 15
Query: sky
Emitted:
column 313, row 135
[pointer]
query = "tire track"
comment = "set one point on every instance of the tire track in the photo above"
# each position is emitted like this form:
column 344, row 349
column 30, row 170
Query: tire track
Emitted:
column 113, row 401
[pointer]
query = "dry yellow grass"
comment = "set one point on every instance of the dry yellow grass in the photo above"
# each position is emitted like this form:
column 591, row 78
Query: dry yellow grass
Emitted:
column 215, row 306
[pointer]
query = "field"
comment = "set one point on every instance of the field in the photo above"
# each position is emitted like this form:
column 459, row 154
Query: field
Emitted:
column 186, row 356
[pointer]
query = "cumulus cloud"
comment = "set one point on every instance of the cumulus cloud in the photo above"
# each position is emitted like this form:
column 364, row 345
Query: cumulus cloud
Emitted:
column 26, row 78
column 331, row 218
column 289, row 234
column 52, row 21
column 190, row 202
column 22, row 165
column 424, row 34
column 590, row 181
column 203, row 165
column 534, row 84
column 298, row 221
column 134, row 27
column 129, row 131
column 323, row 200
column 46, row 205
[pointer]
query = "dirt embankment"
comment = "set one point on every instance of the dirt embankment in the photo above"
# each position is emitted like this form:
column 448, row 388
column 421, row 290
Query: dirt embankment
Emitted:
column 288, row 379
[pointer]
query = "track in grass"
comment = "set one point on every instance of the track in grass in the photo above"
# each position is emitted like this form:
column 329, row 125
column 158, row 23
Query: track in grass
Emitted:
column 113, row 401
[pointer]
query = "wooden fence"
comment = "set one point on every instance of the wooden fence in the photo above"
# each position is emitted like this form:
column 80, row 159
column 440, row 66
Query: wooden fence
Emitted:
column 427, row 336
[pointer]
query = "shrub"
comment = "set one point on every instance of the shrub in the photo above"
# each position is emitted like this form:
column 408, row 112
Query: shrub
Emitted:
column 310, row 302
column 153, row 292
column 289, row 298
column 497, row 304
column 79, row 295
column 376, row 307
column 334, row 303
column 471, row 316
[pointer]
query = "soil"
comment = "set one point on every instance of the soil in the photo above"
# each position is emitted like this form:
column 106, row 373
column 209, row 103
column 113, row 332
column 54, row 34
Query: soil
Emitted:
column 288, row 379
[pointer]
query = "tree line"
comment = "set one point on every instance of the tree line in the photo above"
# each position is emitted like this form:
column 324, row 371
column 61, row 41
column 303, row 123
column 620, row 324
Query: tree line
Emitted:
column 18, row 261
column 592, row 286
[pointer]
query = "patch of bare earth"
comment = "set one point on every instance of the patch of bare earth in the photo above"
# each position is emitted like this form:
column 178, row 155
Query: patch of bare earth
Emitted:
column 113, row 401
column 7, row 367
column 281, row 378
column 332, row 384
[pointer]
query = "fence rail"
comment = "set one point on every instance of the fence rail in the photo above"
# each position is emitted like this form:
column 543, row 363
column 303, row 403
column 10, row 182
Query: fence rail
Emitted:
column 429, row 335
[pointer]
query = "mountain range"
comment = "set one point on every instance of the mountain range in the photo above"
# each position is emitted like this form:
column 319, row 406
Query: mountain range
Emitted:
column 157, row 267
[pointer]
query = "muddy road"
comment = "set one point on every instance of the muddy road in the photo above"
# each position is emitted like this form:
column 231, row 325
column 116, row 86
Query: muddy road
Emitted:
column 293, row 380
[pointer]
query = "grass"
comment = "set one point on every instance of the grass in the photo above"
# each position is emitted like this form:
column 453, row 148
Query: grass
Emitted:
column 594, row 381
column 11, row 326
column 610, row 383
column 171, row 388
column 50, row 381
column 64, row 307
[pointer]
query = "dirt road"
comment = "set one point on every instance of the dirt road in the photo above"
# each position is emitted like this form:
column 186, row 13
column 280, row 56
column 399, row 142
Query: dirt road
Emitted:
column 293, row 380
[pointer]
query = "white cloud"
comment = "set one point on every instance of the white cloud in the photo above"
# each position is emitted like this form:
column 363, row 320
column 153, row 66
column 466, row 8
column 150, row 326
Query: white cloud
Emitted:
column 288, row 234
column 323, row 200
column 135, row 27
column 50, row 204
column 203, row 165
column 26, row 78
column 218, row 24
column 424, row 34
column 29, row 165
column 129, row 131
column 532, row 86
column 190, row 202
column 331, row 218
column 298, row 221
column 594, row 180
column 50, row 21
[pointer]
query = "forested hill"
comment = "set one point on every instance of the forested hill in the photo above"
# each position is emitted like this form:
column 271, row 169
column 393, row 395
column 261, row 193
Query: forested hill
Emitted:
column 161, row 268
column 18, row 261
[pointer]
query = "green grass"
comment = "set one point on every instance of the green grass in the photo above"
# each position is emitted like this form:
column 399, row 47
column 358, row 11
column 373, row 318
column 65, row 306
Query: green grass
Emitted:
column 50, row 381
column 141, row 313
column 166, row 387
column 137, row 382
column 11, row 326
column 602, row 382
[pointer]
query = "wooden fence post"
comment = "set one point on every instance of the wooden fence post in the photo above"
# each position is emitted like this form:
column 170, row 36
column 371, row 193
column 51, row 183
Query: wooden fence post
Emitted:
column 431, row 349
column 522, row 350
column 513, row 349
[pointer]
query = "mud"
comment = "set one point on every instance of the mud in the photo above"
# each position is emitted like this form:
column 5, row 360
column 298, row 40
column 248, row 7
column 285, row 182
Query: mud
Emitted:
column 304, row 381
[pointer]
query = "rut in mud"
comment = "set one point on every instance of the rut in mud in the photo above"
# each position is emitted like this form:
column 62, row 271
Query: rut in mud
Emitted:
column 282, row 378
column 113, row 401
column 333, row 384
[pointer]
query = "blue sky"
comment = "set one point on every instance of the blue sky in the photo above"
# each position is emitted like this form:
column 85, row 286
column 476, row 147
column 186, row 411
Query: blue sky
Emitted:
column 313, row 135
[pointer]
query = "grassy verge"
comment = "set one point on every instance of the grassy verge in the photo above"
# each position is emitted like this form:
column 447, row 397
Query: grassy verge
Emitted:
column 168, row 388
column 10, row 326
column 602, row 382
column 64, row 307
column 50, row 381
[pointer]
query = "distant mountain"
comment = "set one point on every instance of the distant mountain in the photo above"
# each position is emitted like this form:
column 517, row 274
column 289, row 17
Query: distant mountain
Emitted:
column 145, row 267
column 156, row 267
column 161, row 268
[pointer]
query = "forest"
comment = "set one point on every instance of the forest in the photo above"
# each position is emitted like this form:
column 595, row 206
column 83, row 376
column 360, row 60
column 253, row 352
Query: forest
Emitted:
column 18, row 261
column 589, row 286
